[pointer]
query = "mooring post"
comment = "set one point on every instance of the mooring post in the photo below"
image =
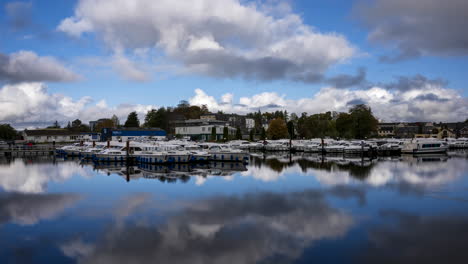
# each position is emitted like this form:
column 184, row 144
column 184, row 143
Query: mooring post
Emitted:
column 94, row 143
column 128, row 149
column 108, row 144
column 323, row 147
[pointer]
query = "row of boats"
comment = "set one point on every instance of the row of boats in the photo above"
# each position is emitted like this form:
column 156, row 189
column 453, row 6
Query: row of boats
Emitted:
column 154, row 152
column 377, row 146
column 176, row 151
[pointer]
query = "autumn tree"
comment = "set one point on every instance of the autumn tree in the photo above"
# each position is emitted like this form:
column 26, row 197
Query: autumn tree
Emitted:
column 277, row 129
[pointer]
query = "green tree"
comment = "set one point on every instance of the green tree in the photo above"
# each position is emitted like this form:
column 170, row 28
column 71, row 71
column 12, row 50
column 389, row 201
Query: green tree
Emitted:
column 238, row 133
column 213, row 133
column 364, row 122
column 225, row 133
column 157, row 118
column 7, row 132
column 345, row 125
column 277, row 129
column 252, row 134
column 290, row 126
column 76, row 123
column 262, row 133
column 132, row 120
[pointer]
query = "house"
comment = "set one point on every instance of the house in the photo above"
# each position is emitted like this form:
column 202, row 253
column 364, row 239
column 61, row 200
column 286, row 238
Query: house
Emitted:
column 386, row 129
column 201, row 129
column 446, row 133
column 464, row 132
column 126, row 134
column 51, row 135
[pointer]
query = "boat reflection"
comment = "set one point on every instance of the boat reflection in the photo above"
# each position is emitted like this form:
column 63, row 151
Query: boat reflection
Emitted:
column 421, row 171
column 170, row 173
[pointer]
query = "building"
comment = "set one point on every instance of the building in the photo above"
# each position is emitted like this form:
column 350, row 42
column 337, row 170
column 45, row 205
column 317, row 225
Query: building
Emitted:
column 126, row 134
column 464, row 132
column 249, row 123
column 201, row 129
column 386, row 129
column 51, row 135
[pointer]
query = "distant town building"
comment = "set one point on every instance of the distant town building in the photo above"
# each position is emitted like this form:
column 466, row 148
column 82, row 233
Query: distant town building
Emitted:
column 249, row 123
column 54, row 135
column 464, row 132
column 200, row 129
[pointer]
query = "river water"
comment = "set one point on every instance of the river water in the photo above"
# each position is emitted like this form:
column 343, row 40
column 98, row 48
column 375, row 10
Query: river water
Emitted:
column 277, row 209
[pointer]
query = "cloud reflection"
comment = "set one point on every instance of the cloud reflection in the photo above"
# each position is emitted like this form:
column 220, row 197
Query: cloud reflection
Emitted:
column 28, row 209
column 418, row 239
column 20, row 176
column 234, row 229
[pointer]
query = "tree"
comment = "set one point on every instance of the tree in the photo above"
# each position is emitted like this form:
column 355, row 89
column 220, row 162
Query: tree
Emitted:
column 132, row 120
column 238, row 133
column 103, row 123
column 7, row 132
column 55, row 125
column 262, row 133
column 344, row 125
column 290, row 126
column 277, row 129
column 115, row 120
column 213, row 133
column 76, row 123
column 225, row 133
column 364, row 121
column 252, row 134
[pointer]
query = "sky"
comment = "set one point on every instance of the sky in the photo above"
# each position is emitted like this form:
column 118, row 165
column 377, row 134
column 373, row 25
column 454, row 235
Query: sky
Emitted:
column 91, row 59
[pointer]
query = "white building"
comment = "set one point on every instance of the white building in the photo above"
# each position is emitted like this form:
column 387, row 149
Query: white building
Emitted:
column 51, row 135
column 201, row 129
column 249, row 123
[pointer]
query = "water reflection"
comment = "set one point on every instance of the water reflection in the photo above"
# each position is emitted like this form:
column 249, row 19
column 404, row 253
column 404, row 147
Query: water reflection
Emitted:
column 32, row 175
column 232, row 213
column 412, row 238
column 418, row 171
column 28, row 209
column 235, row 229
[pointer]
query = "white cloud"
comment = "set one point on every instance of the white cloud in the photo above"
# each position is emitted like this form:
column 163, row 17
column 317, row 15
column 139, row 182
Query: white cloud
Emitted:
column 220, row 38
column 27, row 66
column 30, row 104
column 428, row 102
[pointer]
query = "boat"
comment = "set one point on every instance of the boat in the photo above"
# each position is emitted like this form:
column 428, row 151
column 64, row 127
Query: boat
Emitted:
column 418, row 146
column 224, row 153
column 197, row 153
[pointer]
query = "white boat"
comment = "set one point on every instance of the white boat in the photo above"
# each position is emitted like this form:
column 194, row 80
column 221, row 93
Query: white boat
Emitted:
column 197, row 153
column 116, row 153
column 151, row 157
column 416, row 146
column 224, row 153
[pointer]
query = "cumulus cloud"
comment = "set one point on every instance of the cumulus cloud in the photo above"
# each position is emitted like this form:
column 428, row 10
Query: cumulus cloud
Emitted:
column 218, row 38
column 416, row 27
column 257, row 227
column 27, row 66
column 28, row 209
column 30, row 104
column 410, row 99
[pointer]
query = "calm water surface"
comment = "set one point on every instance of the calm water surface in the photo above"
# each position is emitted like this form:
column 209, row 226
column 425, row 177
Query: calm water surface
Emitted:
column 277, row 209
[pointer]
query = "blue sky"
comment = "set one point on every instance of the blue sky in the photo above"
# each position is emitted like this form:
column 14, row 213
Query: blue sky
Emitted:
column 94, row 58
